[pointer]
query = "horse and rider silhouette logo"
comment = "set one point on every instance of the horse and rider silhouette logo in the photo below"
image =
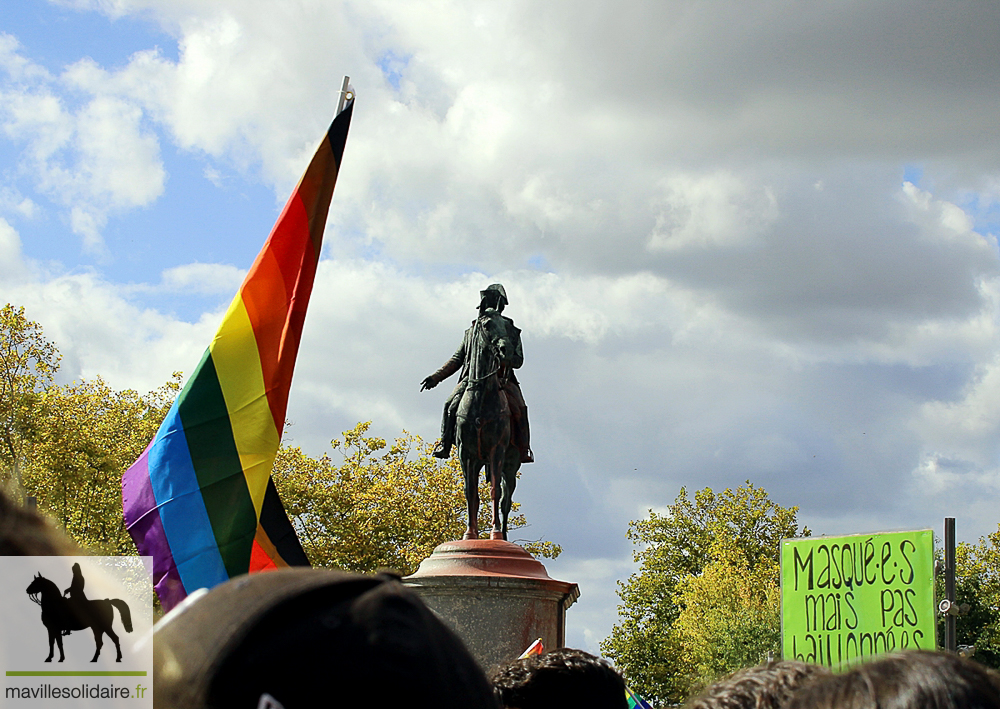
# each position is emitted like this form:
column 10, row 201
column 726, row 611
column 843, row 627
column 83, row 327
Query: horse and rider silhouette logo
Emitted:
column 62, row 615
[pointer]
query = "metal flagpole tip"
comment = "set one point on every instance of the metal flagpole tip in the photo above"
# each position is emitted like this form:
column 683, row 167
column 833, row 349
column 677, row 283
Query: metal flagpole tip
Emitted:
column 346, row 94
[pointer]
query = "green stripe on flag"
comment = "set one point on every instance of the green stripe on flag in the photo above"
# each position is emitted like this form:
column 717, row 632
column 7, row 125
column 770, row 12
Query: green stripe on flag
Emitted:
column 216, row 461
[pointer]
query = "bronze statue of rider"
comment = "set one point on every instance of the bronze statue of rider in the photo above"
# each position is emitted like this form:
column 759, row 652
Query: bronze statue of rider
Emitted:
column 493, row 297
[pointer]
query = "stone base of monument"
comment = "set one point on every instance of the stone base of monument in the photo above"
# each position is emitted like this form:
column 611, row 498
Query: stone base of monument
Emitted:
column 496, row 596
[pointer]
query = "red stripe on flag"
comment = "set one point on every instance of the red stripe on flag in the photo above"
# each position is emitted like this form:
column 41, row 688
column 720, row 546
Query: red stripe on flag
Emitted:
column 259, row 560
column 276, row 293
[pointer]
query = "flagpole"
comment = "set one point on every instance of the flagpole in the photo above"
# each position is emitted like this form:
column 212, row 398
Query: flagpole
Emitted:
column 343, row 95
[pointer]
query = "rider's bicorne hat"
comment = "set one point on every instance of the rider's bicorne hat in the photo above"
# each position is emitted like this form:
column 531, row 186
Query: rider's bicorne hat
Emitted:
column 305, row 638
column 496, row 287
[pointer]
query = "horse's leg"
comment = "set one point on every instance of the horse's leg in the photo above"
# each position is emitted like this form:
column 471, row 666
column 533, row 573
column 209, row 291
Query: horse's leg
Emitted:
column 495, row 533
column 62, row 655
column 496, row 474
column 114, row 639
column 52, row 641
column 511, row 465
column 471, row 474
column 98, row 642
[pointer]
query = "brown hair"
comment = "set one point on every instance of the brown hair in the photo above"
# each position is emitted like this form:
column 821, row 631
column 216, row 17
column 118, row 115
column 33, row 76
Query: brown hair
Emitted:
column 911, row 680
column 565, row 677
column 763, row 687
column 25, row 532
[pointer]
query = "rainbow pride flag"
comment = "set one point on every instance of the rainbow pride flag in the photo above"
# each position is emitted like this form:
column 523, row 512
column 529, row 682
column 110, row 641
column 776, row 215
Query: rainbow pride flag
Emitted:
column 634, row 700
column 200, row 499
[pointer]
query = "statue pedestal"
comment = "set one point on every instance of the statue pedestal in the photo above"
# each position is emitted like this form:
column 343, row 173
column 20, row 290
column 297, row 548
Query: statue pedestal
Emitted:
column 496, row 596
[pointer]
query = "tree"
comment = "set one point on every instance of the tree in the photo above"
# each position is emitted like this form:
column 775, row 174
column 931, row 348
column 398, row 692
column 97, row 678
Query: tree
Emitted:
column 729, row 618
column 977, row 582
column 85, row 436
column 27, row 364
column 377, row 509
column 704, row 601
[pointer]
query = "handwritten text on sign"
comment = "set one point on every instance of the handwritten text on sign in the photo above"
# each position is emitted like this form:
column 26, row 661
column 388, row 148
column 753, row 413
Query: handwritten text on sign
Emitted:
column 844, row 599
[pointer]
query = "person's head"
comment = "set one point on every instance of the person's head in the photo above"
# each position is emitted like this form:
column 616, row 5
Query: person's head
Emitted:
column 307, row 638
column 561, row 678
column 763, row 687
column 910, row 680
column 493, row 297
column 25, row 532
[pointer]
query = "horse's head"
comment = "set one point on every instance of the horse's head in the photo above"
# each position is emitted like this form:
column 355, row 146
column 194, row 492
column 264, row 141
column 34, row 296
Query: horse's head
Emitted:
column 495, row 329
column 39, row 586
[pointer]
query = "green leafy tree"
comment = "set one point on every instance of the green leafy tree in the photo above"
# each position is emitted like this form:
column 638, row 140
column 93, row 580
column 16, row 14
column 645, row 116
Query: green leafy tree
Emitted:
column 85, row 436
column 977, row 582
column 382, row 506
column 704, row 601
column 28, row 363
column 729, row 617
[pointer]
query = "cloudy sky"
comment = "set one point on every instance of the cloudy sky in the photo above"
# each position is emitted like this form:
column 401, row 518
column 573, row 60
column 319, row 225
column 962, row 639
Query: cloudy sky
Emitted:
column 756, row 245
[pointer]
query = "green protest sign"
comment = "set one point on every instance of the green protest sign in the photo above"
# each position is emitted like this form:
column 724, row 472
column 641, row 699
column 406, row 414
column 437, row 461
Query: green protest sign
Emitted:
column 844, row 599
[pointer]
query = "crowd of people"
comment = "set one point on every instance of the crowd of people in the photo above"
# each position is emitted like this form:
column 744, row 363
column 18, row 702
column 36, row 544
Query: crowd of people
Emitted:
column 307, row 638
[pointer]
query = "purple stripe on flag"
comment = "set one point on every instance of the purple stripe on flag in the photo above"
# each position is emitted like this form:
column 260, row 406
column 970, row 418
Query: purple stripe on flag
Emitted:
column 142, row 519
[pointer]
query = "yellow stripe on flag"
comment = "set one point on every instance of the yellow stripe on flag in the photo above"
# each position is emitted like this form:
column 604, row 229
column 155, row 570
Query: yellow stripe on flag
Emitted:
column 237, row 365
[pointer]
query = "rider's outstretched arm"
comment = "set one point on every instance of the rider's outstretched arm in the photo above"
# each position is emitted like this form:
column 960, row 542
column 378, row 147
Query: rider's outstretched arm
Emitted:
column 447, row 369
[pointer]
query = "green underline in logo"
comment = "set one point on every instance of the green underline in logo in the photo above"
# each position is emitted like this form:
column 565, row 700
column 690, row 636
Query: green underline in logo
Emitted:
column 70, row 673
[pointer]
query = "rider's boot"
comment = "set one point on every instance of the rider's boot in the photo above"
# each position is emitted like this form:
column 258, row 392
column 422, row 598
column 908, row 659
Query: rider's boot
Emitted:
column 524, row 437
column 443, row 448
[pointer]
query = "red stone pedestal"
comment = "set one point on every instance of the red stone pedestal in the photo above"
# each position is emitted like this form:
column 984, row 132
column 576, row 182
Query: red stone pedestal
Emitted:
column 496, row 596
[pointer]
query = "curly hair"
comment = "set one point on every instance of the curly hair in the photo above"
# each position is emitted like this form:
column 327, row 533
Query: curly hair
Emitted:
column 561, row 678
column 763, row 687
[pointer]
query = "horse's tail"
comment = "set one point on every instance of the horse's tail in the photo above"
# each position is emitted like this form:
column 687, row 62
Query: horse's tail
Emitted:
column 126, row 614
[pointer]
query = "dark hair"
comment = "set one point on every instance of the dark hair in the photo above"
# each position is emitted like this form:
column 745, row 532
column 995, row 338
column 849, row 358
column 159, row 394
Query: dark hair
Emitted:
column 312, row 638
column 561, row 678
column 25, row 532
column 762, row 687
column 910, row 680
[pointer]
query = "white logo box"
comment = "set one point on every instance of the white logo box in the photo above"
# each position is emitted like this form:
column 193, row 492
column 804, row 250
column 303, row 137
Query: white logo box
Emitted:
column 117, row 584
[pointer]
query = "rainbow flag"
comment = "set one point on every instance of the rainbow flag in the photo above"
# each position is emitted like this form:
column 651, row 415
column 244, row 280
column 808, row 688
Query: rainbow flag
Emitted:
column 634, row 700
column 200, row 499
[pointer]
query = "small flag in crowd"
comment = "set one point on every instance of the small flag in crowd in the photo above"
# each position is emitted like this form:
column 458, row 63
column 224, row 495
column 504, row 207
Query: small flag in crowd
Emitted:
column 200, row 499
column 634, row 700
column 536, row 648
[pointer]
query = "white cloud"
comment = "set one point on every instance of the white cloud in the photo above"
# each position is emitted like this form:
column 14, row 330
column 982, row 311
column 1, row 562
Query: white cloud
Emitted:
column 712, row 210
column 13, row 202
column 94, row 159
column 203, row 278
column 12, row 267
column 16, row 66
column 966, row 428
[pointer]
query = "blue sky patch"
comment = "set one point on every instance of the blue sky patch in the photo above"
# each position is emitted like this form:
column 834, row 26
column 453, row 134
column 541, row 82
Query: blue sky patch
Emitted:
column 392, row 66
column 56, row 37
column 913, row 174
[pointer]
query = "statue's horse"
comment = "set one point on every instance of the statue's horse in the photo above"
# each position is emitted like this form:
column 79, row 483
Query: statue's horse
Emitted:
column 61, row 615
column 483, row 430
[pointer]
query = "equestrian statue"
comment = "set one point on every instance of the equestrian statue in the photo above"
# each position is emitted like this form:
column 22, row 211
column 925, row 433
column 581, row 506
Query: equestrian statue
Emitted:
column 60, row 615
column 485, row 413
